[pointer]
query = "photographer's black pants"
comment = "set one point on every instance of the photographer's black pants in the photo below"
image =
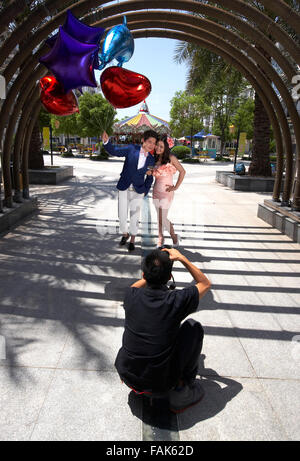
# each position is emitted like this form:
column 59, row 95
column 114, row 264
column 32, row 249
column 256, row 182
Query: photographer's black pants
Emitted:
column 187, row 350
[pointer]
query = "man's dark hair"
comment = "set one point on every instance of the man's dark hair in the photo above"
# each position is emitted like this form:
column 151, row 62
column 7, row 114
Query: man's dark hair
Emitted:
column 157, row 268
column 150, row 134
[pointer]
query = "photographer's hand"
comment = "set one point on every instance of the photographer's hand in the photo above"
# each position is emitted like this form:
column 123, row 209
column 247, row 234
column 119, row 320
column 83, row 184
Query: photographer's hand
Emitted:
column 202, row 282
column 175, row 255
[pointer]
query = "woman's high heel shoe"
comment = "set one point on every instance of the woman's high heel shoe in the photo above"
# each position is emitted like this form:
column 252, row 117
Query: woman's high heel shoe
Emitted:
column 160, row 242
column 177, row 242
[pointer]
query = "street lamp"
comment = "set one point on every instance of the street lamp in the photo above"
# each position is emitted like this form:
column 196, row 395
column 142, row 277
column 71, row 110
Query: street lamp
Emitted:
column 51, row 149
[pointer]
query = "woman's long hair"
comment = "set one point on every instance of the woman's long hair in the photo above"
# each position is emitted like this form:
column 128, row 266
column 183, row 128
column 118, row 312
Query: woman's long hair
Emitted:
column 166, row 153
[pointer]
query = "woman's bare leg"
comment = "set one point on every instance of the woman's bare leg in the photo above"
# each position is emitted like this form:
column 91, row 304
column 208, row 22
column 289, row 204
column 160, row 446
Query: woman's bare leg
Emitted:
column 168, row 225
column 160, row 226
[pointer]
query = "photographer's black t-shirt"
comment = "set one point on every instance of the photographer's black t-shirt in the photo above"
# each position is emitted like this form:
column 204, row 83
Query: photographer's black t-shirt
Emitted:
column 152, row 321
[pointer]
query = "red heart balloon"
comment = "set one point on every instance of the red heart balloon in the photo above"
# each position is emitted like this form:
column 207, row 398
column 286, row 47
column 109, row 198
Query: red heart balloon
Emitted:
column 124, row 88
column 54, row 99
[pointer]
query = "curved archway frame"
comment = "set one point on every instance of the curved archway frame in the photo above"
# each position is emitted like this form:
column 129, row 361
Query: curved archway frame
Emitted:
column 263, row 21
column 249, row 76
column 277, row 131
column 172, row 25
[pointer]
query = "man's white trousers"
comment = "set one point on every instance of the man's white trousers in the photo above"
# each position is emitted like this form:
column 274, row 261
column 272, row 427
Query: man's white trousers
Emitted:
column 129, row 200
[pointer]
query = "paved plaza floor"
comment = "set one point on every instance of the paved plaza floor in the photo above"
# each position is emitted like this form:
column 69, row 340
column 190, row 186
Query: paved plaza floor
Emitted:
column 63, row 276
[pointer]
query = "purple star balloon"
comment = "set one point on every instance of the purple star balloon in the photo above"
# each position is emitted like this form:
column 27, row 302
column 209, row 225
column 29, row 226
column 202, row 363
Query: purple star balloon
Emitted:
column 51, row 40
column 71, row 61
column 81, row 32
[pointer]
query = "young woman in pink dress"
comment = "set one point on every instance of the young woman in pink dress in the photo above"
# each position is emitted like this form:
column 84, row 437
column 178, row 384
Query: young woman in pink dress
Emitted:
column 163, row 190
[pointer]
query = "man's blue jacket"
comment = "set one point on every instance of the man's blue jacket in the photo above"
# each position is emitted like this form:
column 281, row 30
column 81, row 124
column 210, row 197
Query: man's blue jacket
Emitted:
column 130, row 173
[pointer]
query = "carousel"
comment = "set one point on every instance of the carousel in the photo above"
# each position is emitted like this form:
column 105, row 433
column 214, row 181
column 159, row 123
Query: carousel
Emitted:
column 134, row 127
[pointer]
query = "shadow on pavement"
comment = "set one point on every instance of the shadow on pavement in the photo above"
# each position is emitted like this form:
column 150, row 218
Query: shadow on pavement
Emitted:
column 218, row 392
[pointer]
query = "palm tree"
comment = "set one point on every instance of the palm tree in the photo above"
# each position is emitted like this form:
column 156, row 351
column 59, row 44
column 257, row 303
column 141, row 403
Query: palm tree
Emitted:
column 205, row 69
column 260, row 164
column 220, row 83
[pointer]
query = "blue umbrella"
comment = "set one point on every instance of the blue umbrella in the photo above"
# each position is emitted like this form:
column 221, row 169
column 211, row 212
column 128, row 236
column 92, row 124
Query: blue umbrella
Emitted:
column 199, row 135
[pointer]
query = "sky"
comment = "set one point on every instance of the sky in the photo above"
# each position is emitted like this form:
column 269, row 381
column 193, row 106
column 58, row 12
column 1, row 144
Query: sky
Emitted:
column 153, row 57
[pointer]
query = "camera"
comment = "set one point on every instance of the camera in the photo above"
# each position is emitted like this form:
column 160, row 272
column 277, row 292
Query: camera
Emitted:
column 172, row 285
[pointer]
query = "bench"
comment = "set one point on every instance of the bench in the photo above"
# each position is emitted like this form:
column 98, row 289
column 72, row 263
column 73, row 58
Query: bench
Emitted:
column 202, row 157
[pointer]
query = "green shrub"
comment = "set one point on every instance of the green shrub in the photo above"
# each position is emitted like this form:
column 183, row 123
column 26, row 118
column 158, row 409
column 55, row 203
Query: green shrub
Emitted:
column 190, row 160
column 222, row 159
column 103, row 156
column 67, row 154
column 181, row 152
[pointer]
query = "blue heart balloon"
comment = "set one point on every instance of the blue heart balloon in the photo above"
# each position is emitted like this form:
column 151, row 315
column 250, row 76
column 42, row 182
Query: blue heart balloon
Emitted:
column 118, row 44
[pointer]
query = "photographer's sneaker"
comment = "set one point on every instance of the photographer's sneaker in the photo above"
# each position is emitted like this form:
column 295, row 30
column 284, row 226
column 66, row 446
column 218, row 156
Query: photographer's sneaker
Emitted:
column 185, row 397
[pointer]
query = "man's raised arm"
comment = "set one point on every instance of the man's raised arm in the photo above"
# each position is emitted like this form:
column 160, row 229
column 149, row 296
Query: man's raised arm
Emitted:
column 114, row 150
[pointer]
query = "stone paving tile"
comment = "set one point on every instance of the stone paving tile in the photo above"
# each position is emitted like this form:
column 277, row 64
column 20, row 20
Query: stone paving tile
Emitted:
column 225, row 355
column 285, row 309
column 211, row 312
column 85, row 406
column 287, row 409
column 272, row 358
column 31, row 341
column 232, row 409
column 93, row 346
column 72, row 320
column 23, row 391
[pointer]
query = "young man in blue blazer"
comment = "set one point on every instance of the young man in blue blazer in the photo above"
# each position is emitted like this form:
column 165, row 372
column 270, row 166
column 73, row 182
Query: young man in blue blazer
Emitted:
column 133, row 184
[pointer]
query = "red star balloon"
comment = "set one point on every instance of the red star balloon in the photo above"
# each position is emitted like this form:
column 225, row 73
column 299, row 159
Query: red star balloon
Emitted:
column 54, row 99
column 124, row 88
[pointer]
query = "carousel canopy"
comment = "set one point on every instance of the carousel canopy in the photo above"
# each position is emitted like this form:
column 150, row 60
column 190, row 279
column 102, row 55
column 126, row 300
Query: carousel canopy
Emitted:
column 141, row 122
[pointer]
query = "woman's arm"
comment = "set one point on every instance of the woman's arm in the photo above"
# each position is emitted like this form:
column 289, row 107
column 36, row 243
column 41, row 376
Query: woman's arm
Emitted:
column 179, row 167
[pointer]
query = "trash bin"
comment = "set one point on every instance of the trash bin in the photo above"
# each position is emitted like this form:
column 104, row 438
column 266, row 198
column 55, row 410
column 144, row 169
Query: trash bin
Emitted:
column 240, row 169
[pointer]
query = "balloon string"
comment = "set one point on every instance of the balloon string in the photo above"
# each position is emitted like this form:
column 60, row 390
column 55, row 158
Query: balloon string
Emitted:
column 106, row 121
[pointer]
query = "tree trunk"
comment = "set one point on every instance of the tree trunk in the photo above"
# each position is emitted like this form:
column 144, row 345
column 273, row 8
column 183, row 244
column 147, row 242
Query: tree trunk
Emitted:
column 192, row 131
column 260, row 163
column 36, row 160
column 223, row 142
